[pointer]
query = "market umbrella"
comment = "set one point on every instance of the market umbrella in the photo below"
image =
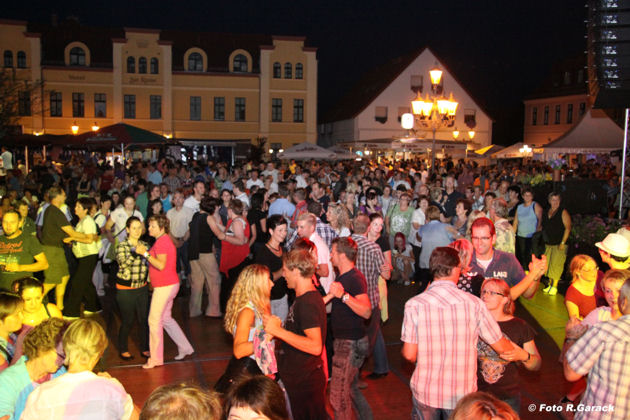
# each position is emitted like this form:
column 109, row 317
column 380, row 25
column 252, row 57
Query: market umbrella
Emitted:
column 305, row 151
column 341, row 153
column 121, row 134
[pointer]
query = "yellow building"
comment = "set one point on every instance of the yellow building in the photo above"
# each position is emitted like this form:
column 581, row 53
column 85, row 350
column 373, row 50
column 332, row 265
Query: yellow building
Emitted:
column 193, row 86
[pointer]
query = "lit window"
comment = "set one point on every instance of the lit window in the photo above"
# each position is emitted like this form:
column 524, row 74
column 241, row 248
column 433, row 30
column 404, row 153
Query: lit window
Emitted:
column 195, row 62
column 277, row 70
column 100, row 105
column 77, row 56
column 142, row 65
column 21, row 60
column 299, row 71
column 131, row 65
column 288, row 70
column 240, row 63
column 155, row 67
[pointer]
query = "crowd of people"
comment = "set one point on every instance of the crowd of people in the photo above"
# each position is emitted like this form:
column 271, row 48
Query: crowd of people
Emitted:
column 296, row 260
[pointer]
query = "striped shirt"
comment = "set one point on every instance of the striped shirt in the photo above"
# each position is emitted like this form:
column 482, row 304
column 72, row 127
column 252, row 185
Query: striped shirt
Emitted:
column 369, row 261
column 446, row 323
column 603, row 352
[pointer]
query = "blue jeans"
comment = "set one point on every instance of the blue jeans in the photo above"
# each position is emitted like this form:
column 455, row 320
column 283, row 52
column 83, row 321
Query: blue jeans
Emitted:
column 424, row 412
column 377, row 343
column 344, row 392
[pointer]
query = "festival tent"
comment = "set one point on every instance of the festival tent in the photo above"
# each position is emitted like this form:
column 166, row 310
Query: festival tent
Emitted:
column 341, row 153
column 120, row 135
column 594, row 133
column 306, row 150
column 511, row 152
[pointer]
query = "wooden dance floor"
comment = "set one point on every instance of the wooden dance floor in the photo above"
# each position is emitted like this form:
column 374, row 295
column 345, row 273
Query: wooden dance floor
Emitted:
column 389, row 397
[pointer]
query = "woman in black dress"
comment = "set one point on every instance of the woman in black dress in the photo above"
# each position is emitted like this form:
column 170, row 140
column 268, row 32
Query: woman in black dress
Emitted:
column 270, row 255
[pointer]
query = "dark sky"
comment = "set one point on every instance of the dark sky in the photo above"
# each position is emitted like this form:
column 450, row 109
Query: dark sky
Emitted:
column 500, row 50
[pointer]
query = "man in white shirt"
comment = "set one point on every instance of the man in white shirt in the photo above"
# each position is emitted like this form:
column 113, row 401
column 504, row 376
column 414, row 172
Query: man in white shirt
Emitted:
column 306, row 229
column 240, row 194
column 271, row 170
column 192, row 202
column 254, row 180
column 180, row 217
column 7, row 159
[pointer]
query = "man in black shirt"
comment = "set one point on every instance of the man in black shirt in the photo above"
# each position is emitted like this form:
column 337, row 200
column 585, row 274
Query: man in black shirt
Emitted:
column 299, row 354
column 56, row 231
column 350, row 308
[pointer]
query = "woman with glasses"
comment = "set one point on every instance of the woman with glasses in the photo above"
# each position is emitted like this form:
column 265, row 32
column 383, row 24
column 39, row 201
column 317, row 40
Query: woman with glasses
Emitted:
column 498, row 373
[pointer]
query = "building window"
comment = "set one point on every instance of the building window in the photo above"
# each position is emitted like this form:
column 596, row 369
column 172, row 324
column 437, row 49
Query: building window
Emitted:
column 276, row 110
column 570, row 114
column 277, row 70
column 142, row 65
column 131, row 65
column 24, row 104
column 100, row 105
column 546, row 115
column 78, row 104
column 21, row 60
column 240, row 63
column 55, row 104
column 288, row 70
column 557, row 117
column 580, row 76
column 130, row 106
column 566, row 79
column 8, row 58
column 535, row 115
column 582, row 108
column 155, row 66
column 298, row 110
column 239, row 109
column 219, row 108
column 195, row 62
column 195, row 108
column 380, row 114
column 77, row 56
column 299, row 71
column 155, row 107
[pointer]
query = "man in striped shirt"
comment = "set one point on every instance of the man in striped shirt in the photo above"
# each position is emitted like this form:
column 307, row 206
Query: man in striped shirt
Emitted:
column 440, row 330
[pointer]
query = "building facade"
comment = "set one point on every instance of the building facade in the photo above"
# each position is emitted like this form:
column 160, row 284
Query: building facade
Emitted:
column 186, row 85
column 558, row 104
column 371, row 112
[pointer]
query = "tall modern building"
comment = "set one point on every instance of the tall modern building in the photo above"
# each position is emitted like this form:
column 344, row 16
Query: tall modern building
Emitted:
column 193, row 86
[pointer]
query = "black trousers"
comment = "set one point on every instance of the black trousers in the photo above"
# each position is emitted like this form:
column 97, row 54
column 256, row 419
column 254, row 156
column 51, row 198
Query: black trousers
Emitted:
column 133, row 303
column 81, row 288
column 524, row 251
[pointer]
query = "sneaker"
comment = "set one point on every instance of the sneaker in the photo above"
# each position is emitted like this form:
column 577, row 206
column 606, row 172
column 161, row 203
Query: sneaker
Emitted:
column 547, row 289
column 553, row 291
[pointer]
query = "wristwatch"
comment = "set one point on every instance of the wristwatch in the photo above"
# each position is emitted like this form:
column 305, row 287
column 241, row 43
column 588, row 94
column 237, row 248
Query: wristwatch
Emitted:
column 146, row 254
column 345, row 297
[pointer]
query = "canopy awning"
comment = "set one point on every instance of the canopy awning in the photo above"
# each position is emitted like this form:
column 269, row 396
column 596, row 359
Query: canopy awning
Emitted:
column 117, row 135
column 307, row 150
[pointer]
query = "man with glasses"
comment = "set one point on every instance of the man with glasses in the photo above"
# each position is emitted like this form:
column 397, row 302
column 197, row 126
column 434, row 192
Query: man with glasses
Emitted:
column 492, row 263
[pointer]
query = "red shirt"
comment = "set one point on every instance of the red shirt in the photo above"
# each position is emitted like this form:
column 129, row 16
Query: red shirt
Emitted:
column 167, row 276
column 584, row 303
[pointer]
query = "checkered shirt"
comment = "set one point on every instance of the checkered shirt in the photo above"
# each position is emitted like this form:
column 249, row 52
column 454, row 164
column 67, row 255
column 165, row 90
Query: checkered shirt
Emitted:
column 446, row 323
column 323, row 230
column 131, row 266
column 369, row 261
column 603, row 353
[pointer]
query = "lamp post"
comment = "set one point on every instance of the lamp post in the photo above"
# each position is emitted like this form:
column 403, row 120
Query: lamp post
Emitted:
column 74, row 128
column 433, row 112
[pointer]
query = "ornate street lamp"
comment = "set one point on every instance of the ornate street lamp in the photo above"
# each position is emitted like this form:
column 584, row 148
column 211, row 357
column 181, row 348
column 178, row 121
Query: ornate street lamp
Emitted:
column 95, row 127
column 433, row 112
column 74, row 128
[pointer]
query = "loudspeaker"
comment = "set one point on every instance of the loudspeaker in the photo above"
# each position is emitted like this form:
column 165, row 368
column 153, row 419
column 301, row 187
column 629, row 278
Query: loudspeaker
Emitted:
column 609, row 52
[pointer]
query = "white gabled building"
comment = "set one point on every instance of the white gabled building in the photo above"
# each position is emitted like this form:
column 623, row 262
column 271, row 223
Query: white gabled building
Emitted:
column 370, row 113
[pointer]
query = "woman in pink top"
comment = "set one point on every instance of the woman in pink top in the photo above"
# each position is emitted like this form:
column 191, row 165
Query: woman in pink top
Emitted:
column 162, row 259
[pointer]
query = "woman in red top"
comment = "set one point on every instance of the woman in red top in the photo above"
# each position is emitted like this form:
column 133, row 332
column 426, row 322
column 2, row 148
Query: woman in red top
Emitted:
column 162, row 258
column 580, row 296
column 234, row 247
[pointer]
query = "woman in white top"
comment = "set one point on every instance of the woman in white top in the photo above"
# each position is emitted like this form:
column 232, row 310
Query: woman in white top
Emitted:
column 80, row 393
column 339, row 219
column 82, row 288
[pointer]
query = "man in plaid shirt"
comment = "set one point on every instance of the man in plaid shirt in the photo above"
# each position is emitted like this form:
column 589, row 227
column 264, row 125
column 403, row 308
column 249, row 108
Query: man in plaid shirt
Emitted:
column 371, row 263
column 603, row 352
column 440, row 331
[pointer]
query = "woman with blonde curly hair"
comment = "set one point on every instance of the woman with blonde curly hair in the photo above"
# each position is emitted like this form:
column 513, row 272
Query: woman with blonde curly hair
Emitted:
column 252, row 350
column 339, row 219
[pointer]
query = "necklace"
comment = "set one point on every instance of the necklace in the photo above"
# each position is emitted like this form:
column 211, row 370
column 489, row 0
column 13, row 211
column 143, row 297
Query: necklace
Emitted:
column 272, row 248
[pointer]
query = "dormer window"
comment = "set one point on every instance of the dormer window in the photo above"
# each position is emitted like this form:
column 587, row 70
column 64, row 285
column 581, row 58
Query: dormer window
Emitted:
column 240, row 64
column 195, row 62
column 77, row 56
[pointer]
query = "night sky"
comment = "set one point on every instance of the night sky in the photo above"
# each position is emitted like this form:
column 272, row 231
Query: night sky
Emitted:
column 500, row 50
